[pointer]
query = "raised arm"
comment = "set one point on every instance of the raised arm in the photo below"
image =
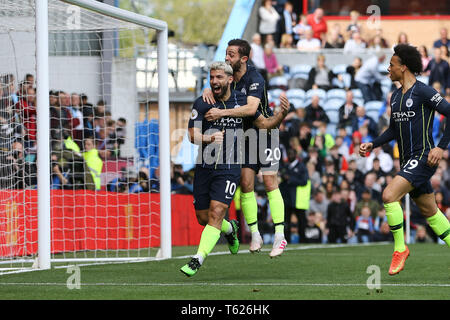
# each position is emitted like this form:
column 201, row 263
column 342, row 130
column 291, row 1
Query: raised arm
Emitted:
column 274, row 121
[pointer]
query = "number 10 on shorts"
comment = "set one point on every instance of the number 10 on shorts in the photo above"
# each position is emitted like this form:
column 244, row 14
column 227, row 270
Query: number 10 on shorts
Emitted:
column 230, row 188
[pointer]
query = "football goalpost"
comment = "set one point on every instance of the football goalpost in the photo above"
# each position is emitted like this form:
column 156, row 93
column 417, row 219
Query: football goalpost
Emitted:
column 76, row 185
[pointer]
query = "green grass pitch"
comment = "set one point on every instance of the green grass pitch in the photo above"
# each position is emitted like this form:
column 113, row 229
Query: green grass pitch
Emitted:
column 324, row 272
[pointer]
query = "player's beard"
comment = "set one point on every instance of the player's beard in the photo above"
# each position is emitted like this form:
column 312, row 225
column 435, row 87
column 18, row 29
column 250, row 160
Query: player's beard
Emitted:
column 236, row 66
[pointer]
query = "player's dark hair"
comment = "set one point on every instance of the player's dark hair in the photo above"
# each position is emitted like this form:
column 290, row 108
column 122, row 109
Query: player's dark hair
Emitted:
column 410, row 57
column 243, row 45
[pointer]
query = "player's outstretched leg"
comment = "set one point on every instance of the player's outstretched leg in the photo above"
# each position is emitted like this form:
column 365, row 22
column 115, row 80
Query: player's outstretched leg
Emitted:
column 276, row 204
column 208, row 240
column 230, row 230
column 249, row 208
column 394, row 214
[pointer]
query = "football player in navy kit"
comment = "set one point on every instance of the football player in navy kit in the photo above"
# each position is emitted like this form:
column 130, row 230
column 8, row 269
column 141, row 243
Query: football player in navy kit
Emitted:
column 218, row 169
column 413, row 106
column 262, row 146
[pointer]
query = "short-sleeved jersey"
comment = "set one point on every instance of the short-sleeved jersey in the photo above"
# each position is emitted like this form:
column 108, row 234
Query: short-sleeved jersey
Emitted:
column 228, row 154
column 412, row 115
column 252, row 84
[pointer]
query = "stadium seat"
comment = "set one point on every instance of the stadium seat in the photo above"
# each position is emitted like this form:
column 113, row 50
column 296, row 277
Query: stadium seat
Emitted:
column 333, row 115
column 302, row 69
column 274, row 93
column 357, row 93
column 382, row 68
column 331, row 129
column 296, row 94
column 318, row 92
column 336, row 94
column 333, row 104
column 297, row 103
column 373, row 105
column 374, row 114
column 280, row 82
column 339, row 69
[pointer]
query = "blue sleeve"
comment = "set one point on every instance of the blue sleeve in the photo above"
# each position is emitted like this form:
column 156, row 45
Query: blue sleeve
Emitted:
column 434, row 100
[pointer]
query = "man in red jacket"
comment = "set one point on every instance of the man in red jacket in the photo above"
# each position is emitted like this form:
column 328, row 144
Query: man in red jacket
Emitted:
column 318, row 24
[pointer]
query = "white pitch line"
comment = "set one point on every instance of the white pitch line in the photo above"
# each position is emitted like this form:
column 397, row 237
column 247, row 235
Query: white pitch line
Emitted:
column 227, row 284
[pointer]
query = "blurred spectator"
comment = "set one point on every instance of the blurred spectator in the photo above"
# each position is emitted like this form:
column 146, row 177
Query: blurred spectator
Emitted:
column 271, row 62
column 287, row 20
column 352, row 70
column 335, row 40
column 328, row 139
column 300, row 28
column 268, row 20
column 381, row 227
column 29, row 80
column 364, row 227
column 305, row 135
column 318, row 24
column 23, row 173
column 354, row 25
column 367, row 201
column 320, row 76
column 368, row 78
column 355, row 45
column 308, row 43
column 439, row 70
column 93, row 163
column 181, row 182
column 421, row 235
column 287, row 41
column 386, row 161
column 77, row 113
column 425, row 59
column 370, row 183
column 312, row 232
column 362, row 119
column 319, row 203
column 340, row 221
column 443, row 39
column 438, row 186
column 378, row 41
column 294, row 175
column 27, row 108
column 121, row 132
column 257, row 52
column 314, row 176
column 445, row 54
column 440, row 201
column 315, row 114
column 402, row 38
column 347, row 112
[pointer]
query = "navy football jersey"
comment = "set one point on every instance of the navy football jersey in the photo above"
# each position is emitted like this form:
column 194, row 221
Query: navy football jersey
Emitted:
column 252, row 84
column 228, row 154
column 411, row 122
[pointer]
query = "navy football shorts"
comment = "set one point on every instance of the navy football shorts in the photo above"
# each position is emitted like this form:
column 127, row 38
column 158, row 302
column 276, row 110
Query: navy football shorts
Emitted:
column 264, row 153
column 214, row 184
column 418, row 173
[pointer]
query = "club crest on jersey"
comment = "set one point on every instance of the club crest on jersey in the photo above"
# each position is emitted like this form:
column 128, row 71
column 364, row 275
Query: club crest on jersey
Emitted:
column 409, row 103
column 244, row 91
column 194, row 114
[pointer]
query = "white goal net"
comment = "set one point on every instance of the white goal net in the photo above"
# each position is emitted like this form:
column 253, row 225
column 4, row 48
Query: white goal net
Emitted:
column 105, row 165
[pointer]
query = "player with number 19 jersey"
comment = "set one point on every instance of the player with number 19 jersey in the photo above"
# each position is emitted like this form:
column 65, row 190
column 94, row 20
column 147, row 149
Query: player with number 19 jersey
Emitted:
column 411, row 125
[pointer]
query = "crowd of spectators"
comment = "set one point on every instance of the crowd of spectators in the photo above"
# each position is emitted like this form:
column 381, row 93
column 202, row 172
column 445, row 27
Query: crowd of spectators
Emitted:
column 345, row 201
column 82, row 137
